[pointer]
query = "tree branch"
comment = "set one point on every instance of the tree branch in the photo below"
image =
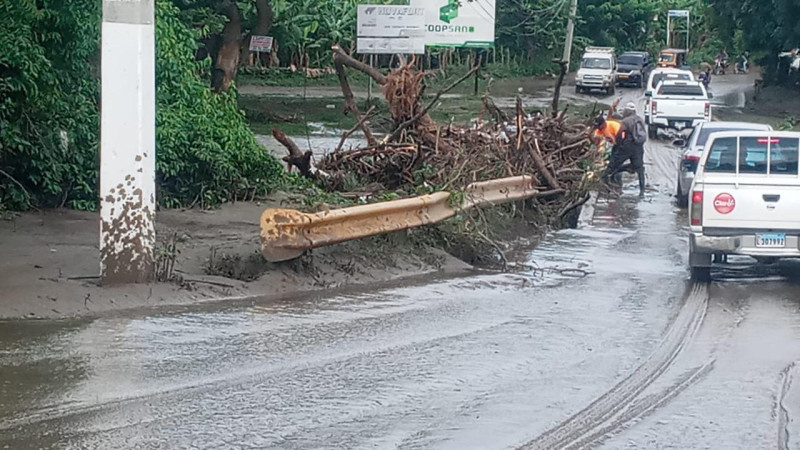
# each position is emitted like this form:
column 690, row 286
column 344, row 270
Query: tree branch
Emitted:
column 433, row 102
column 341, row 57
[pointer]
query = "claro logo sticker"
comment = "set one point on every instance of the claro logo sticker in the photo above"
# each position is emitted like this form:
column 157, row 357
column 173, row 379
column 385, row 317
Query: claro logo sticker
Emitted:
column 724, row 203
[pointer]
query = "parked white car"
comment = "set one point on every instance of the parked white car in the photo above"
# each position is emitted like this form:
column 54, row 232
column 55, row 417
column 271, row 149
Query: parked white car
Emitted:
column 678, row 105
column 745, row 198
column 693, row 150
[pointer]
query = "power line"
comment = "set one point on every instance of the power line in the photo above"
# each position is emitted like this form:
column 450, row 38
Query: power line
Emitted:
column 491, row 15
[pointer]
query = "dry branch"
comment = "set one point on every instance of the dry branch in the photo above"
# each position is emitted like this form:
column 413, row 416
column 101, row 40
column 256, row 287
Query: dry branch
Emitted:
column 296, row 156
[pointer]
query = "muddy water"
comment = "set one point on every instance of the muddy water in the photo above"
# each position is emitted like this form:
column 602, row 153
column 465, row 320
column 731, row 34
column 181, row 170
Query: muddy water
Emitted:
column 489, row 361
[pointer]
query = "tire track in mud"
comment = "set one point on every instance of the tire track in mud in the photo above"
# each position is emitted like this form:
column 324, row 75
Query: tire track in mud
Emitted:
column 787, row 379
column 597, row 419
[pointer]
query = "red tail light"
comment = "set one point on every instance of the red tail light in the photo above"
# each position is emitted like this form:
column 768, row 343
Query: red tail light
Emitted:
column 697, row 209
column 655, row 107
column 692, row 158
column 708, row 109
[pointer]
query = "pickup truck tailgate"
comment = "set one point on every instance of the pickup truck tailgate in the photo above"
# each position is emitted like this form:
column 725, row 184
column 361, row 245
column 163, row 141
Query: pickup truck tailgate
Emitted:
column 751, row 206
column 682, row 107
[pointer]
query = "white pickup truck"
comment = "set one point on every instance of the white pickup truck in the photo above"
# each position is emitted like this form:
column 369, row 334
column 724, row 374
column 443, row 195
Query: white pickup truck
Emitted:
column 679, row 105
column 598, row 70
column 745, row 198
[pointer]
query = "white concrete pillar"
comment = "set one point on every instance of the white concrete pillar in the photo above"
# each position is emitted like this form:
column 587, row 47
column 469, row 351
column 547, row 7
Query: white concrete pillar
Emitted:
column 127, row 153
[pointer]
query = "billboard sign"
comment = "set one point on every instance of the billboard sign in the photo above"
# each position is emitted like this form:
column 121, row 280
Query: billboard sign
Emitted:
column 459, row 23
column 391, row 29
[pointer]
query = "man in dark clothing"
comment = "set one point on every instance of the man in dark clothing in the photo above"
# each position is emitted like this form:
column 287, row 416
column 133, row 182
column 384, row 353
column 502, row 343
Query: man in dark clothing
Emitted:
column 629, row 147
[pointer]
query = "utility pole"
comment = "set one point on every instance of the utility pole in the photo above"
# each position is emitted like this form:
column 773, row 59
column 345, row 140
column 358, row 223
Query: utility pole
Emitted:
column 573, row 12
column 127, row 148
column 565, row 59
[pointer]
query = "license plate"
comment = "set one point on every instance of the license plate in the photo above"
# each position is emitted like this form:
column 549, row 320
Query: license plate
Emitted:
column 773, row 240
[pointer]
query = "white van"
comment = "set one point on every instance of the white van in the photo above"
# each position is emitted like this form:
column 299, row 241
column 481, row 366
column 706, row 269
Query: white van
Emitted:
column 745, row 198
column 598, row 70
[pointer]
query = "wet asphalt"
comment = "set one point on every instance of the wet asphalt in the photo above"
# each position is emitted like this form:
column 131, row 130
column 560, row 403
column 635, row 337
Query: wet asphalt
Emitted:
column 598, row 340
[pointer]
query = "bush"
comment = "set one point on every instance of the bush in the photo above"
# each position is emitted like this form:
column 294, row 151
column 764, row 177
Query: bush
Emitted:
column 49, row 107
column 49, row 114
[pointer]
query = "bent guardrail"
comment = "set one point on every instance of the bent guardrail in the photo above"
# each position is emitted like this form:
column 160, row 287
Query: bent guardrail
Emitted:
column 287, row 234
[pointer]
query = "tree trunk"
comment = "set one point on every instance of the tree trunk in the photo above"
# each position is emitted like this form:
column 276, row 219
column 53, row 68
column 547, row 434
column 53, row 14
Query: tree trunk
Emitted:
column 266, row 17
column 226, row 58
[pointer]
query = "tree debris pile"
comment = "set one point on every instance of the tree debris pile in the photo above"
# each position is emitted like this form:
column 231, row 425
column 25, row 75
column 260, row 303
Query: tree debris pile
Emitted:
column 422, row 153
column 451, row 157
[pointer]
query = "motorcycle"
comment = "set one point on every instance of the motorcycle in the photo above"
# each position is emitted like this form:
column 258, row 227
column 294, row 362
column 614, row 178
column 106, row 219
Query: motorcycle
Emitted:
column 720, row 66
column 742, row 67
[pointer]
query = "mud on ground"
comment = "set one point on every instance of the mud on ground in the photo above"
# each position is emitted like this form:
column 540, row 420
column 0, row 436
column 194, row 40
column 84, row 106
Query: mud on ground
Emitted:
column 51, row 261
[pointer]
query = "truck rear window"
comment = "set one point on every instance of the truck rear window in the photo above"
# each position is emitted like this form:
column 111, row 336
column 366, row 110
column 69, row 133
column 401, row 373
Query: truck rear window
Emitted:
column 687, row 90
column 755, row 155
column 783, row 156
column 722, row 158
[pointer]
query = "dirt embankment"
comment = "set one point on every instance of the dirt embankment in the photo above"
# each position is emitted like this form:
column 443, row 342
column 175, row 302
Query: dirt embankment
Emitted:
column 51, row 261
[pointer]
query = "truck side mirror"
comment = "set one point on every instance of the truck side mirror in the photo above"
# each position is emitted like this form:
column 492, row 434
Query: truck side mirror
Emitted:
column 648, row 94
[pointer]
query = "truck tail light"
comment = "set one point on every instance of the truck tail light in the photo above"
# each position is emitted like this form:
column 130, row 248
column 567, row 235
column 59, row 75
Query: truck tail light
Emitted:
column 708, row 109
column 655, row 107
column 769, row 141
column 697, row 209
column 690, row 162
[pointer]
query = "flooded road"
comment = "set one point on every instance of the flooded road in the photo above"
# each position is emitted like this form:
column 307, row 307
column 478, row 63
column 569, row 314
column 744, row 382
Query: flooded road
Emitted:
column 632, row 355
column 488, row 361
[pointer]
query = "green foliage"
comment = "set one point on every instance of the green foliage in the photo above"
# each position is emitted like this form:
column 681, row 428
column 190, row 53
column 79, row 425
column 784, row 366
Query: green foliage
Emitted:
column 788, row 124
column 206, row 154
column 49, row 113
column 49, row 93
column 306, row 29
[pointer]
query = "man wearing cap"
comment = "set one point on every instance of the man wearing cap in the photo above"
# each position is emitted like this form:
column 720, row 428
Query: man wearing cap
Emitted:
column 630, row 142
column 607, row 130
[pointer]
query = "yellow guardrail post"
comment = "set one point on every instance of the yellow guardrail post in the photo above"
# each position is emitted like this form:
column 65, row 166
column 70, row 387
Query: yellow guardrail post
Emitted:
column 287, row 234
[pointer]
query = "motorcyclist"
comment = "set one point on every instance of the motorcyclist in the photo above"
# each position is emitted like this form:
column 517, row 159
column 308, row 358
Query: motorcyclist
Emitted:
column 705, row 77
column 722, row 60
column 744, row 64
column 628, row 146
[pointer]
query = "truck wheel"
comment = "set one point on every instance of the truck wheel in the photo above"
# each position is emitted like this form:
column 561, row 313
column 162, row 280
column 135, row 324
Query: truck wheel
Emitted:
column 578, row 90
column 652, row 132
column 701, row 274
column 683, row 200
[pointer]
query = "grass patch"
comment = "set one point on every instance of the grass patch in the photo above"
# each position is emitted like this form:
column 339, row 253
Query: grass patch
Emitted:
column 291, row 115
